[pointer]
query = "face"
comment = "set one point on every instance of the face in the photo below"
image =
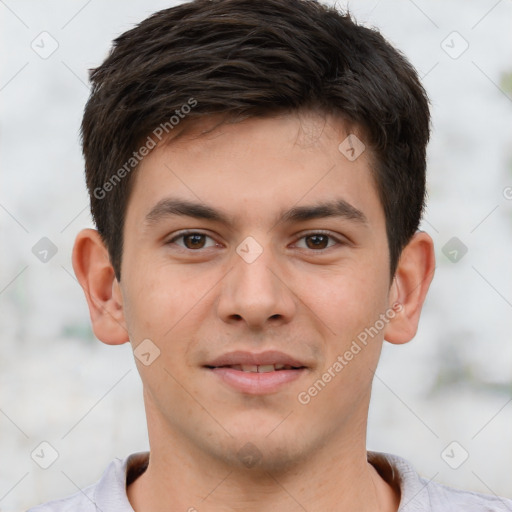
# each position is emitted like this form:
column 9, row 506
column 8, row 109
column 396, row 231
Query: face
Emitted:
column 254, row 258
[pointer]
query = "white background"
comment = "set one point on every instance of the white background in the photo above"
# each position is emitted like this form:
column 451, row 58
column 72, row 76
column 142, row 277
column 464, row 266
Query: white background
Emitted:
column 60, row 385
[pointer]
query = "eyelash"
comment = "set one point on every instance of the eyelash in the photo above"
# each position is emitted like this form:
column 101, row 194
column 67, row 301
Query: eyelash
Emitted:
column 312, row 233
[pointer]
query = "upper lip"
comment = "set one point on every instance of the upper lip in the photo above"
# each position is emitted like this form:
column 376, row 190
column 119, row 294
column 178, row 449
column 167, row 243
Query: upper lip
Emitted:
column 251, row 358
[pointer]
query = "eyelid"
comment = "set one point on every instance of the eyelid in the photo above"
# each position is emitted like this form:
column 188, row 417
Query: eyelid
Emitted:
column 185, row 232
column 340, row 240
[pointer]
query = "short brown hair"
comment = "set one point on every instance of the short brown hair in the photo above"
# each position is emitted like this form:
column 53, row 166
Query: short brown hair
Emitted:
column 246, row 58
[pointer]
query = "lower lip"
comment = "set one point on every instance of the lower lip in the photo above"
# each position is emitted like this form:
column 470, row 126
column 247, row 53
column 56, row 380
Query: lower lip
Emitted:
column 257, row 383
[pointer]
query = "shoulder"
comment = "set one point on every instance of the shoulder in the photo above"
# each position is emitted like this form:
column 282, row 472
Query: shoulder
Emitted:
column 108, row 493
column 442, row 496
column 420, row 494
column 81, row 501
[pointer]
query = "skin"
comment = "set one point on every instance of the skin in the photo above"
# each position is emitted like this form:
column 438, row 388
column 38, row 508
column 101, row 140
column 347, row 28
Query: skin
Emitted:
column 309, row 301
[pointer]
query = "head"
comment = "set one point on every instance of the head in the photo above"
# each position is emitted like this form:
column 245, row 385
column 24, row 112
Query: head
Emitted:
column 238, row 59
column 279, row 129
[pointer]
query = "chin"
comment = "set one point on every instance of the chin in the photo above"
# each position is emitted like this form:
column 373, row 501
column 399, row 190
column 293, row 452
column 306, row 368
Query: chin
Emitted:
column 264, row 453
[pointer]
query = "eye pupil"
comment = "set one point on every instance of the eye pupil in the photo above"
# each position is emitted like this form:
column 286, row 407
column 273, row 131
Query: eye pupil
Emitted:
column 314, row 241
column 196, row 243
column 318, row 241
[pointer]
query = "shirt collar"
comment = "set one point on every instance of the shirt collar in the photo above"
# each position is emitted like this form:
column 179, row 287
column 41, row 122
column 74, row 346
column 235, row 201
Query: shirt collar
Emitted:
column 400, row 474
column 396, row 471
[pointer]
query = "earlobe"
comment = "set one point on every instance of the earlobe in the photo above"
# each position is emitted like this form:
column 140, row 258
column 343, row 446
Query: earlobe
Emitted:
column 95, row 274
column 409, row 288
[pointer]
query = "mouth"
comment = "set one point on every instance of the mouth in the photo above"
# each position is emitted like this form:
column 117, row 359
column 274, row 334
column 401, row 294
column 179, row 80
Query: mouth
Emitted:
column 256, row 374
column 254, row 368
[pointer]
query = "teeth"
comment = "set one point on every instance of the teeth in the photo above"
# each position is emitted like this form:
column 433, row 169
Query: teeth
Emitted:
column 247, row 368
column 263, row 368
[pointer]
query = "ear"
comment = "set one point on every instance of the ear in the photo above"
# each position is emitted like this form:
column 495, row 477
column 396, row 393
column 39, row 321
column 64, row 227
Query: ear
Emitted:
column 412, row 280
column 95, row 274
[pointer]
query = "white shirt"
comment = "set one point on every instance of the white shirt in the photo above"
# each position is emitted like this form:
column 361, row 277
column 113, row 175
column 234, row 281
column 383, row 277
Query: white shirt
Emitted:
column 417, row 493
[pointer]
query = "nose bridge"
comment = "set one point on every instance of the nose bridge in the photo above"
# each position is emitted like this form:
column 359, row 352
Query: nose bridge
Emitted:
column 254, row 271
column 253, row 289
column 253, row 263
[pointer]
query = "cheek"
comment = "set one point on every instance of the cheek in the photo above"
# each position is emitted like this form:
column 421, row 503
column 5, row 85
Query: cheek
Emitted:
column 170, row 305
column 157, row 299
column 348, row 301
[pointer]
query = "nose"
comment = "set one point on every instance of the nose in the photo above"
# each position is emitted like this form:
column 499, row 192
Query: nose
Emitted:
column 257, row 292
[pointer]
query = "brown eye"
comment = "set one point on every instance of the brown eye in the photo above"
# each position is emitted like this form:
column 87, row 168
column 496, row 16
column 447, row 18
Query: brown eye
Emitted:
column 192, row 241
column 317, row 241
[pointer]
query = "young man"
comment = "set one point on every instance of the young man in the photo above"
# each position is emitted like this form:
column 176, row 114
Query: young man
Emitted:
column 257, row 178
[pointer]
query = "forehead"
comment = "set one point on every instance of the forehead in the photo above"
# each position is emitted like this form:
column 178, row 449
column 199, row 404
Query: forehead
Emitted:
column 258, row 166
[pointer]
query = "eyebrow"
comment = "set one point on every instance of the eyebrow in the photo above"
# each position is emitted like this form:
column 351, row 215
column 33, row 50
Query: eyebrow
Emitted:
column 169, row 207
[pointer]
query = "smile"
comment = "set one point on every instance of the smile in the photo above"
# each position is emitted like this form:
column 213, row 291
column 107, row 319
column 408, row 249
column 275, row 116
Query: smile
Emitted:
column 264, row 368
column 257, row 379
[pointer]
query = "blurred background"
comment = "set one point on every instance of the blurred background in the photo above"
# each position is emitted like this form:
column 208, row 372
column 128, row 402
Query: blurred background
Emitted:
column 443, row 401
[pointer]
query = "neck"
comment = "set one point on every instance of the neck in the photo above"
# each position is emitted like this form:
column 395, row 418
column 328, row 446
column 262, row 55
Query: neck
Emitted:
column 338, row 479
